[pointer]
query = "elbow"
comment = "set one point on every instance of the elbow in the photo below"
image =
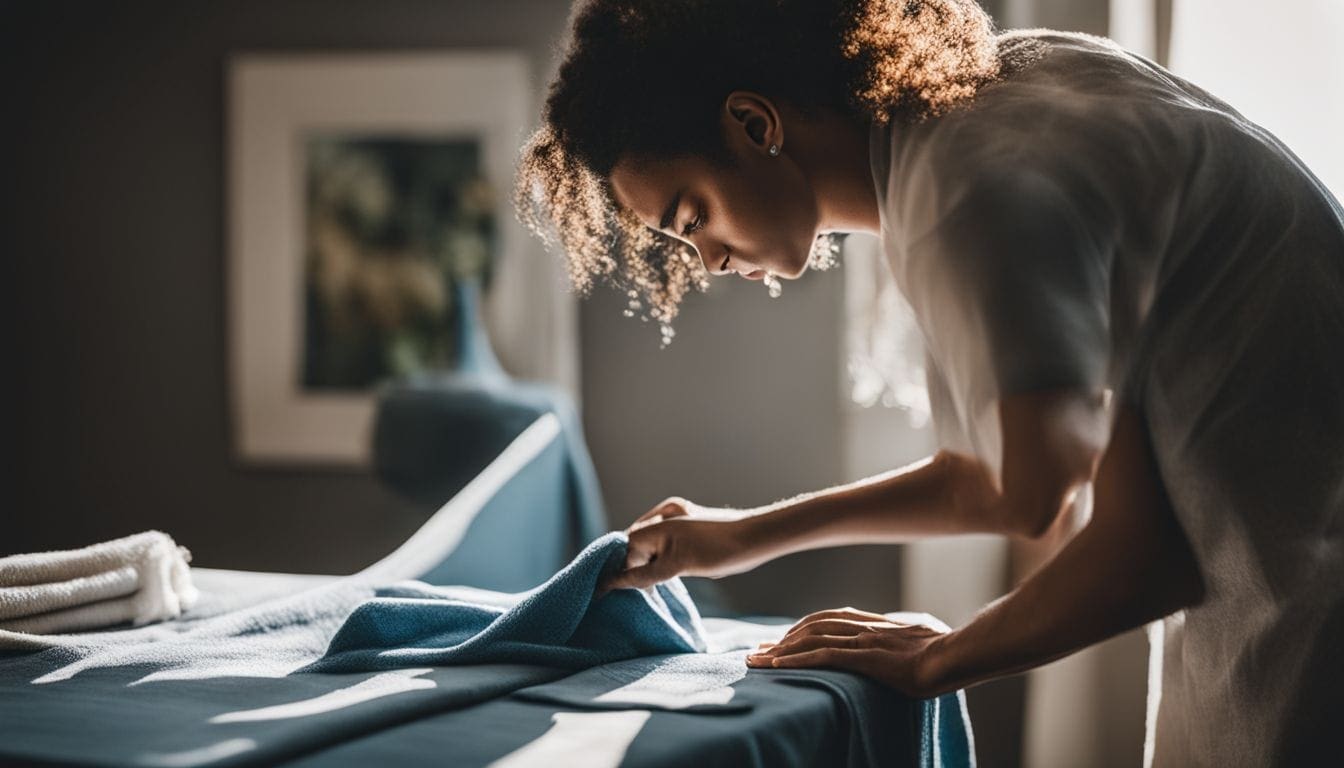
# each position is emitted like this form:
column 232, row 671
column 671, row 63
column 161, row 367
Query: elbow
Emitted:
column 1040, row 516
column 1027, row 521
column 1026, row 510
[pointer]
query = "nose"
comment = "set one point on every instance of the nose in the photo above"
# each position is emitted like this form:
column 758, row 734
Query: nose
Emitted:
column 712, row 257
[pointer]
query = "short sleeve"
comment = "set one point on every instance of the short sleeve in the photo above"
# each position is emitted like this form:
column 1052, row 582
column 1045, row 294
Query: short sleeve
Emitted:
column 1010, row 281
column 1018, row 266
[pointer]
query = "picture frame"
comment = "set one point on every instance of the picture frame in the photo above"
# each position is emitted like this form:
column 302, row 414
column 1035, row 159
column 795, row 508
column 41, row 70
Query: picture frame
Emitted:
column 274, row 101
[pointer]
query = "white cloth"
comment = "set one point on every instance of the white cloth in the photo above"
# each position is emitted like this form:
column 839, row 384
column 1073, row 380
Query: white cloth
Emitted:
column 1093, row 221
column 140, row 578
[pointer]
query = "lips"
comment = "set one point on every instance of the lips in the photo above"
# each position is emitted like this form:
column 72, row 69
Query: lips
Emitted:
column 755, row 274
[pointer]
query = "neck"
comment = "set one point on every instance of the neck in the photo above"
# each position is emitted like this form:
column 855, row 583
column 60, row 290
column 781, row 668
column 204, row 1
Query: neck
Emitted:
column 832, row 150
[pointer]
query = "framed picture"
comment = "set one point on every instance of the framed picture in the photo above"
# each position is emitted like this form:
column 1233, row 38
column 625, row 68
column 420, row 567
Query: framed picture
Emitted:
column 360, row 187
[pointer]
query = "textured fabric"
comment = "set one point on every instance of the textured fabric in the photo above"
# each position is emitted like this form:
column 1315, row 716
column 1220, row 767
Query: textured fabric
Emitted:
column 29, row 599
column 556, row 623
column 1093, row 222
column 220, row 686
column 222, row 689
column 139, row 579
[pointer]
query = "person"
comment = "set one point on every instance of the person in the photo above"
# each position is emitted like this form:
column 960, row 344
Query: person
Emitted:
column 1131, row 297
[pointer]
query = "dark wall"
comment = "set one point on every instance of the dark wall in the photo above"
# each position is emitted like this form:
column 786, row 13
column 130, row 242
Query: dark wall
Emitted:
column 113, row 241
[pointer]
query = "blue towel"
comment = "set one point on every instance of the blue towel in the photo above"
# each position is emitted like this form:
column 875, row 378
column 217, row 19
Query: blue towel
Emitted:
column 557, row 623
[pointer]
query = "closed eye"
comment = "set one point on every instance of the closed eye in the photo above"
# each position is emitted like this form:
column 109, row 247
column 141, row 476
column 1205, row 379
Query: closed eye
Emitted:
column 695, row 225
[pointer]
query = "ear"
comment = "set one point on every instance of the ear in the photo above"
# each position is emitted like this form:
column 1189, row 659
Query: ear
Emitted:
column 753, row 120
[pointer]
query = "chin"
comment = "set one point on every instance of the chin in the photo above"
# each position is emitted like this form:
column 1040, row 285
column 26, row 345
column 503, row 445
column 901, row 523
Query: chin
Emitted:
column 796, row 268
column 788, row 262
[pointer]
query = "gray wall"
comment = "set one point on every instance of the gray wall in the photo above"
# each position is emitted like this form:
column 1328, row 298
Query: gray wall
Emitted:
column 115, row 203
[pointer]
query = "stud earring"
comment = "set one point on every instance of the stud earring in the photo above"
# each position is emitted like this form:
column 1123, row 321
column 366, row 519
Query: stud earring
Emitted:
column 774, row 150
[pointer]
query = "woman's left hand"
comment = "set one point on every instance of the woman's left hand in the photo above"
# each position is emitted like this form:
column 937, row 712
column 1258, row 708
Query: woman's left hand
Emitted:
column 895, row 654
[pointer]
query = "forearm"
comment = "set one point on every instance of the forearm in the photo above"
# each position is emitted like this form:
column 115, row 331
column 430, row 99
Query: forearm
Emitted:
column 941, row 495
column 1051, row 442
column 1079, row 598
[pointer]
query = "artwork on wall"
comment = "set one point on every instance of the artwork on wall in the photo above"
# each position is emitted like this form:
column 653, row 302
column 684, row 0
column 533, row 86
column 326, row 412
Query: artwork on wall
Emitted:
column 361, row 188
column 390, row 224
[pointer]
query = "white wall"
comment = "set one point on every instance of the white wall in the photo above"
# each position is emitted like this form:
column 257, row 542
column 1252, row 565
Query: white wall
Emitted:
column 1281, row 65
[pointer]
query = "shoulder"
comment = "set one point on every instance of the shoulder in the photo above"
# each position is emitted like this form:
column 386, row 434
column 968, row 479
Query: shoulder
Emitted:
column 1045, row 137
column 970, row 202
column 1057, row 91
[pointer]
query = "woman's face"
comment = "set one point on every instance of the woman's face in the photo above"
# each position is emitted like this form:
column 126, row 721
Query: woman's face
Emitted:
column 759, row 215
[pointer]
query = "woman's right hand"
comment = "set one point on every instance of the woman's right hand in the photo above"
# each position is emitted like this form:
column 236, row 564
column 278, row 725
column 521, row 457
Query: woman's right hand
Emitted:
column 678, row 537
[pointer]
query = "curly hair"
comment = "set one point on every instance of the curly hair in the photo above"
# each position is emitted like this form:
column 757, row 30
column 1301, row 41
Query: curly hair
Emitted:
column 872, row 59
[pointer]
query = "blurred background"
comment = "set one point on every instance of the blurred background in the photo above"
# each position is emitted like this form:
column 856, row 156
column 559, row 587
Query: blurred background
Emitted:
column 121, row 322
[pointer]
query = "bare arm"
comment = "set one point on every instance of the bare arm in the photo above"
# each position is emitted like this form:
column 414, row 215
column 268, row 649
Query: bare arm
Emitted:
column 1051, row 444
column 1129, row 565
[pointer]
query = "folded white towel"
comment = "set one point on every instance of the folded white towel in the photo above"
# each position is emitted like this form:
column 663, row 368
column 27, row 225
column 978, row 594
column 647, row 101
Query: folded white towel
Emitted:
column 140, row 578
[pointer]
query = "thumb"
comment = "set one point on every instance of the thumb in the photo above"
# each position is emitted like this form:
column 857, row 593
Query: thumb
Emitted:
column 673, row 507
column 638, row 570
column 638, row 577
column 640, row 549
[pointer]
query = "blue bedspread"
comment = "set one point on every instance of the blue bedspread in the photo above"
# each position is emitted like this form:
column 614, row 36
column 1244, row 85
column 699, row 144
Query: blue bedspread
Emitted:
column 244, row 686
column 272, row 668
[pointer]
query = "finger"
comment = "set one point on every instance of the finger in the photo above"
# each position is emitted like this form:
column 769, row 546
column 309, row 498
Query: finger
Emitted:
column 813, row 642
column 820, row 657
column 640, row 551
column 835, row 658
column 851, row 614
column 844, row 613
column 826, row 627
column 635, row 578
column 665, row 510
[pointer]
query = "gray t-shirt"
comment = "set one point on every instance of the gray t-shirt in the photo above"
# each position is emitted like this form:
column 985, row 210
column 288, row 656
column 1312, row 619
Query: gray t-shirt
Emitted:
column 1092, row 221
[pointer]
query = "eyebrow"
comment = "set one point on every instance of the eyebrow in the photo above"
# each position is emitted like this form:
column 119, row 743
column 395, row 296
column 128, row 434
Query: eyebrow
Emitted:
column 671, row 211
